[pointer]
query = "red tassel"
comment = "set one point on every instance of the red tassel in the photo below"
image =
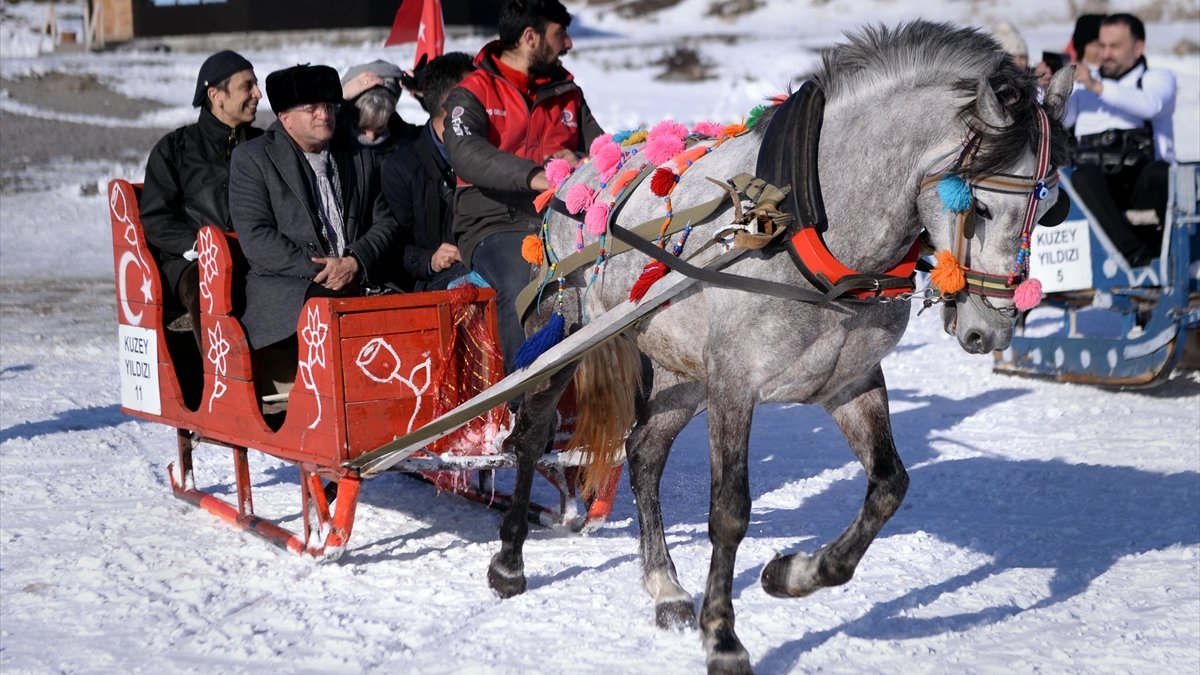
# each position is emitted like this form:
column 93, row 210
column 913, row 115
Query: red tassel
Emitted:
column 662, row 181
column 540, row 201
column 652, row 272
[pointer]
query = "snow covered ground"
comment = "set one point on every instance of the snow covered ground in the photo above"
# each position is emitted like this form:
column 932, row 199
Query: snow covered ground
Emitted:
column 1048, row 527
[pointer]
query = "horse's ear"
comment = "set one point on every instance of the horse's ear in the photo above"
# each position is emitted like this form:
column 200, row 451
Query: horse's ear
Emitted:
column 1059, row 91
column 988, row 107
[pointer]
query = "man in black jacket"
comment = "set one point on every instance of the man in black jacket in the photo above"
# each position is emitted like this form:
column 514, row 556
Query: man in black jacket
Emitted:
column 187, row 175
column 302, row 209
column 418, row 185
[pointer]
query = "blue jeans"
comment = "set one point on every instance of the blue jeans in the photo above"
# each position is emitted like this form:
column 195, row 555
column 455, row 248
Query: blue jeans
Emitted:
column 497, row 258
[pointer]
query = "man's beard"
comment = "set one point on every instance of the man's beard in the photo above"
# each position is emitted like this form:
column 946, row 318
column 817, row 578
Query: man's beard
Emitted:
column 546, row 65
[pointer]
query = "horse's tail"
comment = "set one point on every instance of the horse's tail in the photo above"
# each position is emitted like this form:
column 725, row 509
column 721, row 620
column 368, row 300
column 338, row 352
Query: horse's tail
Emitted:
column 607, row 384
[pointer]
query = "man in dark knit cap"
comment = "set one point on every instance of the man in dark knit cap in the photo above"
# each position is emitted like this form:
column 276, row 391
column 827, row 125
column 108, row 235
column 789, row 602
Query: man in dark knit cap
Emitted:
column 187, row 175
column 303, row 211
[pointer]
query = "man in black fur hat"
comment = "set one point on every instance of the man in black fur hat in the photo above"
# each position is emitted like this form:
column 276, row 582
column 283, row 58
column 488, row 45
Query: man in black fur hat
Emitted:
column 187, row 175
column 301, row 209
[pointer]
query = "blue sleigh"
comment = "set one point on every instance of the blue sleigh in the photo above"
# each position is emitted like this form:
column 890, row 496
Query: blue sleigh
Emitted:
column 1102, row 321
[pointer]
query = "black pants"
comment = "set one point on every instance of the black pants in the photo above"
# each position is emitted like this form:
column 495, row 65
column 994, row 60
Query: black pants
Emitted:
column 1109, row 196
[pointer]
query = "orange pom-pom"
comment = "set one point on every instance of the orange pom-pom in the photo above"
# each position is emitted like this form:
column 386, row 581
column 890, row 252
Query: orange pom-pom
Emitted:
column 540, row 201
column 733, row 129
column 947, row 276
column 531, row 250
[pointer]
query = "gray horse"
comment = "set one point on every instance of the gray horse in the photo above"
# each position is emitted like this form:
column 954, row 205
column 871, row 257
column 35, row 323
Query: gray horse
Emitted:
column 904, row 108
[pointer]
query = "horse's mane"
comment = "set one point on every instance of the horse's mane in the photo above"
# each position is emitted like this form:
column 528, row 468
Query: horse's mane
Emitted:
column 923, row 53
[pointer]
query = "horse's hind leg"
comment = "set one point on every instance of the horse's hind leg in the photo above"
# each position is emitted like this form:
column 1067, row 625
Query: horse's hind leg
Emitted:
column 531, row 433
column 862, row 414
column 730, row 411
column 671, row 406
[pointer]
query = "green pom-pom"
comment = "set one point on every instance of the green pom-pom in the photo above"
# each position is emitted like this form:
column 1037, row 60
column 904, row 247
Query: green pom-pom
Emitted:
column 756, row 115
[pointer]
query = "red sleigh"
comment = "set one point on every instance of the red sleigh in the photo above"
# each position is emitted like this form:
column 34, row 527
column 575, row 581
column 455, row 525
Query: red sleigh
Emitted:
column 369, row 369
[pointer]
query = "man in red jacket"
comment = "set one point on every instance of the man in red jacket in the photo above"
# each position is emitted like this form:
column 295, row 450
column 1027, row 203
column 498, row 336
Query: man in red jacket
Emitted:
column 517, row 111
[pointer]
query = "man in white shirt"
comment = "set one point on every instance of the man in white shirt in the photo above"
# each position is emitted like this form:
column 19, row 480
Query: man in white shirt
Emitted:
column 1122, row 116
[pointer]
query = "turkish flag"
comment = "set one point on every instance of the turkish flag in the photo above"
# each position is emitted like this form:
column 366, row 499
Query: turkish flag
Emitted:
column 419, row 21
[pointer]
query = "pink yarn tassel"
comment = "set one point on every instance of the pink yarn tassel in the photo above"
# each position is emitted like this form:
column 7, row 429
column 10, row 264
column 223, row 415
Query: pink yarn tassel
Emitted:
column 579, row 198
column 661, row 149
column 668, row 129
column 710, row 129
column 557, row 171
column 596, row 219
column 1028, row 295
column 600, row 142
column 606, row 156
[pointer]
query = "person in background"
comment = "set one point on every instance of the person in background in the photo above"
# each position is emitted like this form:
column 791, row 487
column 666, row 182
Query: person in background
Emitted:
column 187, row 175
column 1013, row 44
column 1123, row 119
column 519, row 109
column 418, row 184
column 1083, row 50
column 372, row 90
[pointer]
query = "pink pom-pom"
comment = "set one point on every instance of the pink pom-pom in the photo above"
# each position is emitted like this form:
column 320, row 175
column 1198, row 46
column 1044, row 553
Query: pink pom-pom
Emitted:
column 668, row 129
column 600, row 142
column 710, row 129
column 579, row 198
column 596, row 219
column 1028, row 295
column 557, row 171
column 661, row 149
column 606, row 157
column 608, row 172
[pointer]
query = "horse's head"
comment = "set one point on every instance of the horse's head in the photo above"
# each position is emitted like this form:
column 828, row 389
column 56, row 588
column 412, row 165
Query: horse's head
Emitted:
column 978, row 204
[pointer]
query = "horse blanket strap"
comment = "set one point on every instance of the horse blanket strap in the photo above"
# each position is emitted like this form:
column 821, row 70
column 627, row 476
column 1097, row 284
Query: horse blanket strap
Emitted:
column 734, row 281
column 647, row 231
column 788, row 156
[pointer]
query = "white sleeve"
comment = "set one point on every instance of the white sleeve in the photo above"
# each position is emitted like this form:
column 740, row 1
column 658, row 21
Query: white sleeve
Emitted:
column 1156, row 97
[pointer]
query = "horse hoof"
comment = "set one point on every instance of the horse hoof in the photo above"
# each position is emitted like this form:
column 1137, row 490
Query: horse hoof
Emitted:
column 676, row 615
column 505, row 582
column 775, row 577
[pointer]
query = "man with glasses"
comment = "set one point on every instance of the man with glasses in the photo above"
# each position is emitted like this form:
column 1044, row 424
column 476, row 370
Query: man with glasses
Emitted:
column 187, row 175
column 302, row 211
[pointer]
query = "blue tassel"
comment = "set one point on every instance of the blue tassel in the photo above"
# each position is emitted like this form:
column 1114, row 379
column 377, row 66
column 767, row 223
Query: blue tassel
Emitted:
column 955, row 193
column 537, row 344
column 621, row 136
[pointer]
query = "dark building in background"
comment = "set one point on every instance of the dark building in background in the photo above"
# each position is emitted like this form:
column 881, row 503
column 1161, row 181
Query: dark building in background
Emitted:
column 121, row 20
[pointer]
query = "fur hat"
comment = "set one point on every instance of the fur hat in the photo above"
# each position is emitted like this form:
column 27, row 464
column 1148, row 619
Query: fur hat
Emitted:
column 1010, row 40
column 302, row 84
column 390, row 73
column 216, row 69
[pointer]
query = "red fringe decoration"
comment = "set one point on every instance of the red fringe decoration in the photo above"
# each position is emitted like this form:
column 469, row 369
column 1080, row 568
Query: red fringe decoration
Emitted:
column 540, row 201
column 652, row 272
column 662, row 181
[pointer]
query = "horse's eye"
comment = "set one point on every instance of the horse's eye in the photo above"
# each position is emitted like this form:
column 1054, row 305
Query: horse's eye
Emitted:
column 981, row 210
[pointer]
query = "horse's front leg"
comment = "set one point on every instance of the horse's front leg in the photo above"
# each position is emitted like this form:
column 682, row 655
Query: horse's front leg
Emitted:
column 730, row 412
column 862, row 414
column 531, row 434
column 672, row 404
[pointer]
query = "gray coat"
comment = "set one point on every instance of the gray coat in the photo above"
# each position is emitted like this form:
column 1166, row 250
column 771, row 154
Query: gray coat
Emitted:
column 272, row 203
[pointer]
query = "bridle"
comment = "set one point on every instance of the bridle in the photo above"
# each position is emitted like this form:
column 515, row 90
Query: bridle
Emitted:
column 1037, row 187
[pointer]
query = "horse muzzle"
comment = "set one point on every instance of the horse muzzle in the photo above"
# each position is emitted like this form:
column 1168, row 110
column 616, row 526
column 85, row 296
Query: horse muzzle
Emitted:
column 979, row 327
